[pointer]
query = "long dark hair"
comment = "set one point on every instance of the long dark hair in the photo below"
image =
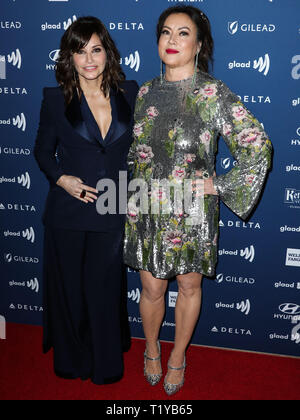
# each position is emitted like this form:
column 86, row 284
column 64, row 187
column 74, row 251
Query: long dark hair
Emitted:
column 203, row 28
column 74, row 39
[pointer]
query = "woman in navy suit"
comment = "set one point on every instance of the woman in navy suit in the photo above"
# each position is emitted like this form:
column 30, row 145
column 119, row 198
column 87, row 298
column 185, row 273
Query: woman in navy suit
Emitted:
column 83, row 137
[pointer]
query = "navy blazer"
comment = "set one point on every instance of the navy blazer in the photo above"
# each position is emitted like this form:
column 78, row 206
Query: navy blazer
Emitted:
column 69, row 142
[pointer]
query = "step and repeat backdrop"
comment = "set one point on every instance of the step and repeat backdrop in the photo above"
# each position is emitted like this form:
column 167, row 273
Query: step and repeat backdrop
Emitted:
column 253, row 303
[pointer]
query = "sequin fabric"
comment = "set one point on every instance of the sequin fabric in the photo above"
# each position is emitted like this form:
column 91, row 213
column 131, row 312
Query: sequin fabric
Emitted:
column 177, row 125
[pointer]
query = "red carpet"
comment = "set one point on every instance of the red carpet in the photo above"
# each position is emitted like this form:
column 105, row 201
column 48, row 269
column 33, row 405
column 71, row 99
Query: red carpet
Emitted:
column 212, row 374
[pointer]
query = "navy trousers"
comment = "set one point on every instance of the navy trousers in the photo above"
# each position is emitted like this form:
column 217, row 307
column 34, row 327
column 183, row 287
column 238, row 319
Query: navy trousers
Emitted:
column 85, row 295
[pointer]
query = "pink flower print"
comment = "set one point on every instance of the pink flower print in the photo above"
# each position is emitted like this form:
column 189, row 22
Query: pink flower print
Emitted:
column 175, row 238
column 227, row 129
column 205, row 139
column 138, row 129
column 189, row 158
column 250, row 137
column 144, row 153
column 249, row 179
column 132, row 212
column 143, row 91
column 178, row 173
column 152, row 112
column 209, row 90
column 239, row 112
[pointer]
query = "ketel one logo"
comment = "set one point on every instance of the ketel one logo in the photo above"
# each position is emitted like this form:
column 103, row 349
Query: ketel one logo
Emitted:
column 14, row 58
column 24, row 180
column 135, row 295
column 133, row 61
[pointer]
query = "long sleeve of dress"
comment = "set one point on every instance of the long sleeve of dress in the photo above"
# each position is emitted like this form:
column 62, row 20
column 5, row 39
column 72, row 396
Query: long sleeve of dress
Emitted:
column 46, row 144
column 247, row 141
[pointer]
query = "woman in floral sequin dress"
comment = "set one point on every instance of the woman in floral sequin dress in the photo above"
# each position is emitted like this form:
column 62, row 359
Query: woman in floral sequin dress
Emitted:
column 178, row 119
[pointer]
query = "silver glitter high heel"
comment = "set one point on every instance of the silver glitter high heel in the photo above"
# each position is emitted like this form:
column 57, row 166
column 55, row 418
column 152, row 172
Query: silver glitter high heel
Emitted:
column 171, row 389
column 152, row 378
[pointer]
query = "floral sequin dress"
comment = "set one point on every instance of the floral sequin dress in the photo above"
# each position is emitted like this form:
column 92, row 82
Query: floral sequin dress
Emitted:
column 177, row 125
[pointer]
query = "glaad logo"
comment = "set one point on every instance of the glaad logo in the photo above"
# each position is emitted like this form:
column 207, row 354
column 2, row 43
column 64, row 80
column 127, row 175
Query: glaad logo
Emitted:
column 287, row 285
column 64, row 25
column 14, row 58
column 29, row 234
column 296, row 68
column 133, row 61
column 292, row 167
column 296, row 331
column 2, row 328
column 233, row 27
column 26, row 234
column 19, row 121
column 135, row 295
column 24, row 180
column 244, row 307
column 247, row 253
column 262, row 64
column 33, row 284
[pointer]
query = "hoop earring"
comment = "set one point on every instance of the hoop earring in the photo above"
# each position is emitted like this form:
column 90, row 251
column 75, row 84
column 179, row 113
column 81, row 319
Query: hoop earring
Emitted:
column 195, row 70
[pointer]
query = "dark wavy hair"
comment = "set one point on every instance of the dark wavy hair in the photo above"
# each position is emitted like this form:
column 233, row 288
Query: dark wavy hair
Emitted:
column 74, row 39
column 204, row 32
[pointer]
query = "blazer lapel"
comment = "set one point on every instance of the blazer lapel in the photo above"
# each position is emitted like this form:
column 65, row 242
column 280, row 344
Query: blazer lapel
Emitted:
column 121, row 115
column 74, row 116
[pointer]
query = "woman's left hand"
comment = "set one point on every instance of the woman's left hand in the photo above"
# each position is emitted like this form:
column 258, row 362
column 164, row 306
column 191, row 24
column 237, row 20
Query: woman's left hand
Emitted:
column 204, row 185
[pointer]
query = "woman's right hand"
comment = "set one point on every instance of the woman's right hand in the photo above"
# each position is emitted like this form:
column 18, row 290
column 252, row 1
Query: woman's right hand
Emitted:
column 74, row 186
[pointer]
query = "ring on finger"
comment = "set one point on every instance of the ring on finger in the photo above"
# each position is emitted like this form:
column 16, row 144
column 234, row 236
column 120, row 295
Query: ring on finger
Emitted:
column 83, row 194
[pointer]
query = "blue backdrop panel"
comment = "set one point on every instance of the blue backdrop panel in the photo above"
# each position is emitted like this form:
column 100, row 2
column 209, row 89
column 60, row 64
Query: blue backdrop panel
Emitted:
column 254, row 301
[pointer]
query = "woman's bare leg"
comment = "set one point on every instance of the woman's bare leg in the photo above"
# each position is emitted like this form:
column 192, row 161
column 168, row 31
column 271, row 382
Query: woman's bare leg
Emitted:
column 152, row 309
column 187, row 312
